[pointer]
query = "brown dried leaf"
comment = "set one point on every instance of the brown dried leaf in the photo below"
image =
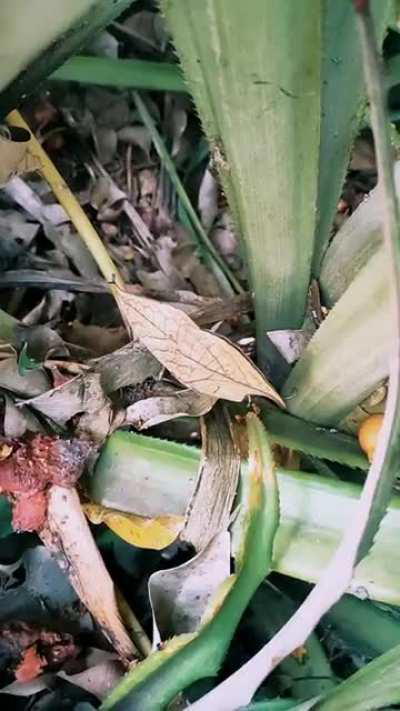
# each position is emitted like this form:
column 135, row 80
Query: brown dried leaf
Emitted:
column 32, row 384
column 200, row 360
column 209, row 510
column 129, row 365
column 81, row 394
column 154, row 410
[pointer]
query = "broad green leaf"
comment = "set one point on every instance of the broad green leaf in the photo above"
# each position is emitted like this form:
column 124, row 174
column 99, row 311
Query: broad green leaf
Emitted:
column 374, row 686
column 38, row 35
column 349, row 354
column 270, row 705
column 341, row 76
column 259, row 103
column 305, row 437
column 195, row 655
column 152, row 477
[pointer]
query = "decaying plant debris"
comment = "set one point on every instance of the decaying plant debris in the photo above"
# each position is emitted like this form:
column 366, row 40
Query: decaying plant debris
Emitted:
column 198, row 369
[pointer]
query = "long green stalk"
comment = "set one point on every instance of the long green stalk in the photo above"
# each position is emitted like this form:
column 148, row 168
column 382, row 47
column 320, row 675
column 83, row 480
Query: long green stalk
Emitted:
column 142, row 474
column 122, row 73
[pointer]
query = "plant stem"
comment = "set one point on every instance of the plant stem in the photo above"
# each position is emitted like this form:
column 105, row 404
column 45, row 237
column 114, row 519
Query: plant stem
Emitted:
column 139, row 636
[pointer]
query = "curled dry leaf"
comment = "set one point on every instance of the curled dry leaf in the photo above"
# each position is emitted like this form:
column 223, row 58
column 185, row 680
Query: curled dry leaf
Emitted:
column 200, row 360
column 180, row 596
column 209, row 510
column 154, row 410
column 18, row 420
column 80, row 394
column 153, row 533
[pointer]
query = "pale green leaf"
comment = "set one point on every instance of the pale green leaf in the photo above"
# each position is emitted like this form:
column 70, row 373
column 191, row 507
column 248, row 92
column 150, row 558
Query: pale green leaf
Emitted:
column 349, row 354
column 260, row 105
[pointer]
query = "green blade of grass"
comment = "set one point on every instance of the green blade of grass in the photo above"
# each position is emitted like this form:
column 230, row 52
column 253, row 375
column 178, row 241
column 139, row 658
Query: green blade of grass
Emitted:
column 260, row 103
column 188, row 657
column 32, row 47
column 305, row 437
column 149, row 476
column 122, row 73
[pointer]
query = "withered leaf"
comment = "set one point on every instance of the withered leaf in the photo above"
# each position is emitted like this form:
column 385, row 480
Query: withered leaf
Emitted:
column 209, row 510
column 200, row 360
column 154, row 410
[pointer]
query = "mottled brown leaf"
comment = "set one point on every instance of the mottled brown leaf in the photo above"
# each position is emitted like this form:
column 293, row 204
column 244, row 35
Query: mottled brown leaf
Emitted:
column 154, row 410
column 200, row 360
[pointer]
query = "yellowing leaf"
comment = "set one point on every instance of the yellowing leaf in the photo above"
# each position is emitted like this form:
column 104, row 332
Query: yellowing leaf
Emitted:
column 154, row 533
column 200, row 360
